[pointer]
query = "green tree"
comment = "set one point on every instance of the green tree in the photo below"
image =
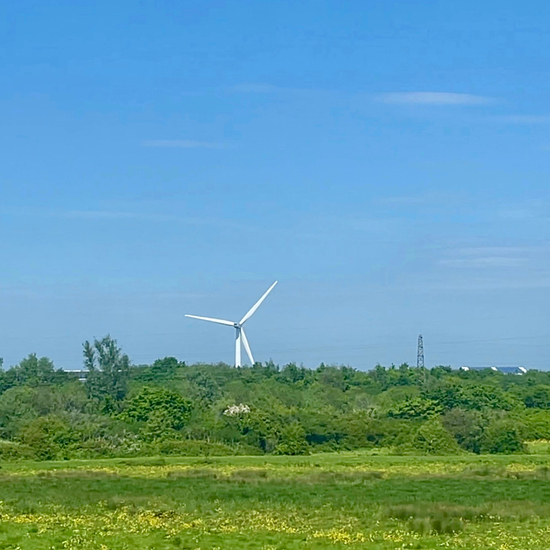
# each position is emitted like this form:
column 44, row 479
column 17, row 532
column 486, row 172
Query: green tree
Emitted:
column 162, row 409
column 416, row 407
column 165, row 367
column 537, row 424
column 47, row 436
column 17, row 407
column 108, row 370
column 537, row 397
column 292, row 441
column 483, row 396
column 292, row 374
column 432, row 438
column 503, row 436
column 32, row 371
column 467, row 428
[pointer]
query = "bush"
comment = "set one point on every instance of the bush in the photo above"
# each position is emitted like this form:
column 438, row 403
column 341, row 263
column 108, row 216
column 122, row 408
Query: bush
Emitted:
column 503, row 437
column 415, row 408
column 108, row 446
column 292, row 441
column 538, row 447
column 165, row 409
column 12, row 450
column 47, row 436
column 537, row 424
column 432, row 438
column 537, row 397
column 466, row 427
column 192, row 447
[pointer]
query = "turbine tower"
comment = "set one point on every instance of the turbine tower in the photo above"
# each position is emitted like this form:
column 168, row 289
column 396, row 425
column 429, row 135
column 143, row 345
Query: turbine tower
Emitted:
column 241, row 338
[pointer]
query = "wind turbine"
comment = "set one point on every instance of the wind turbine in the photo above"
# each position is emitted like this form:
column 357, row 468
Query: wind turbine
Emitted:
column 239, row 328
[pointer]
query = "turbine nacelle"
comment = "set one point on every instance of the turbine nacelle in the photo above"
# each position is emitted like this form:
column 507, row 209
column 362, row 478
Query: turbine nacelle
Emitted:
column 240, row 339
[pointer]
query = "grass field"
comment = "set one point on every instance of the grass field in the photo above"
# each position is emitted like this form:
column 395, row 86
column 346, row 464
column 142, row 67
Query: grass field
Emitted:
column 323, row 501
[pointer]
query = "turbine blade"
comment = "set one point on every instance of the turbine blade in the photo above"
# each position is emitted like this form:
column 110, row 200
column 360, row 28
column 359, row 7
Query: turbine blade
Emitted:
column 257, row 304
column 247, row 347
column 219, row 321
column 238, row 348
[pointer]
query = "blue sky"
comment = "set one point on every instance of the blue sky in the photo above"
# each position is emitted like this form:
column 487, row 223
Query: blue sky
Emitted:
column 387, row 161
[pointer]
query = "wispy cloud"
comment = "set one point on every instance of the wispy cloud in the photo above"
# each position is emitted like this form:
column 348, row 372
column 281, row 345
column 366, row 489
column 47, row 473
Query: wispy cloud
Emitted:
column 251, row 88
column 155, row 217
column 517, row 213
column 492, row 268
column 491, row 256
column 525, row 119
column 433, row 98
column 402, row 201
column 115, row 215
column 528, row 210
column 377, row 226
column 488, row 283
column 403, row 98
column 488, row 261
column 256, row 88
column 183, row 144
column 496, row 250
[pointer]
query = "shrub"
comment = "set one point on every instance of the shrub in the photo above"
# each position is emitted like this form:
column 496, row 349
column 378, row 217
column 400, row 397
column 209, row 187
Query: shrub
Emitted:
column 292, row 441
column 163, row 409
column 466, row 427
column 432, row 438
column 192, row 447
column 106, row 446
column 538, row 447
column 503, row 436
column 415, row 408
column 537, row 424
column 537, row 397
column 47, row 436
column 12, row 450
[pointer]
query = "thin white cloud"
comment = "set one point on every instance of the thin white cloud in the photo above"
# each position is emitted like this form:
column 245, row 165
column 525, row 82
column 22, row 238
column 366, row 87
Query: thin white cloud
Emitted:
column 183, row 144
column 254, row 88
column 488, row 261
column 491, row 283
column 496, row 256
column 374, row 225
column 433, row 98
column 251, row 88
column 137, row 216
column 403, row 200
column 525, row 119
column 496, row 250
column 534, row 210
column 113, row 215
column 517, row 214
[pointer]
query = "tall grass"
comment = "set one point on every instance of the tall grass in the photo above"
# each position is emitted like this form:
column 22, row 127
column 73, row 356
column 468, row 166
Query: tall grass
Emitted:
column 263, row 503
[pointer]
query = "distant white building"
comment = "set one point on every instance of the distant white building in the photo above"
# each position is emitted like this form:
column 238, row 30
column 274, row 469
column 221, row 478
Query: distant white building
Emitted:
column 80, row 373
column 503, row 370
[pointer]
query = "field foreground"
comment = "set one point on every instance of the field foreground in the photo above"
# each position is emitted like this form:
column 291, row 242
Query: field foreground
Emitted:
column 324, row 501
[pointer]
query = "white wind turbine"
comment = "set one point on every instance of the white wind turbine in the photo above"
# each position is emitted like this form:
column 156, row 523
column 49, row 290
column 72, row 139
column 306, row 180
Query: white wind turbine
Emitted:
column 241, row 336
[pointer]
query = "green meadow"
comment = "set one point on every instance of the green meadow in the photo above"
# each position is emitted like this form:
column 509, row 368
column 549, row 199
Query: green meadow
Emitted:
column 345, row 500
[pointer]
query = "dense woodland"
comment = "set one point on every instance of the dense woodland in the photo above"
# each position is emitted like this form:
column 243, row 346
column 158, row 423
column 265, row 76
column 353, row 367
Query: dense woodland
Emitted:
column 170, row 408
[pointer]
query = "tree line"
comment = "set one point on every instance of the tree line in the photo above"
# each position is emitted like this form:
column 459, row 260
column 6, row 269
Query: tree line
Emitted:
column 171, row 408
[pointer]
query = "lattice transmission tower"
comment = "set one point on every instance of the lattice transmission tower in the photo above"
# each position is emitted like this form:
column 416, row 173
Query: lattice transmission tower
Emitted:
column 420, row 353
